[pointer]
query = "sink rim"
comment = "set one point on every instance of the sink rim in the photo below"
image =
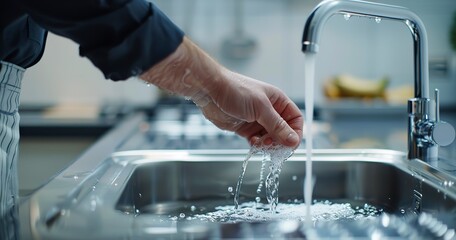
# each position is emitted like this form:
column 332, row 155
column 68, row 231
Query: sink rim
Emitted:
column 390, row 156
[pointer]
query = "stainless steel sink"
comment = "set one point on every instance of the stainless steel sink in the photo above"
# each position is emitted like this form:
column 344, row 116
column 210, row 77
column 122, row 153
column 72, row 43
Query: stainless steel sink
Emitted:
column 135, row 194
column 379, row 178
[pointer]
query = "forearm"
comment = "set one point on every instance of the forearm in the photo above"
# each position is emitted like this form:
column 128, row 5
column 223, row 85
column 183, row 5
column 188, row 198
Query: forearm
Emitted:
column 188, row 72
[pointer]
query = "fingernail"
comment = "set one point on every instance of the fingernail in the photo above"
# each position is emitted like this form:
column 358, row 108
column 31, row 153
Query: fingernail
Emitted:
column 268, row 141
column 292, row 137
column 254, row 141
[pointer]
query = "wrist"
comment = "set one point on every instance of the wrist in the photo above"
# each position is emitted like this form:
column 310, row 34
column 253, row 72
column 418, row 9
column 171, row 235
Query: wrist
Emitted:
column 188, row 71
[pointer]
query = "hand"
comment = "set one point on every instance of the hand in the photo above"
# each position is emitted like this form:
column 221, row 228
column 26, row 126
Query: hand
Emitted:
column 231, row 101
column 254, row 110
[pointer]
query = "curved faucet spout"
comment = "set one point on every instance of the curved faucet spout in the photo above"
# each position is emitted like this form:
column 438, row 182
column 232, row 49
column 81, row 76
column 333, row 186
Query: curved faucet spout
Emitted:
column 328, row 8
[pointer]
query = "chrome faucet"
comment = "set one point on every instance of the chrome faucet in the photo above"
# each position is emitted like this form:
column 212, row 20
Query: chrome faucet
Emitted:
column 425, row 130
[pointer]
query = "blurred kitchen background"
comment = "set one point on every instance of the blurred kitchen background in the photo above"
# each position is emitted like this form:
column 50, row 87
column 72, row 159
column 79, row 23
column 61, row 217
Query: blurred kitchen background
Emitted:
column 64, row 96
column 360, row 47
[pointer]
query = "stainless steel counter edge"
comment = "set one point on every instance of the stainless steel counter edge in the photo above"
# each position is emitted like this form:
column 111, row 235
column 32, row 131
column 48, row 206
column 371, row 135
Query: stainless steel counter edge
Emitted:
column 58, row 187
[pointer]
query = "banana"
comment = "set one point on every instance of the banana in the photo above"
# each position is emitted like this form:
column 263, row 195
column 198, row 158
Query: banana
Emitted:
column 349, row 86
column 330, row 90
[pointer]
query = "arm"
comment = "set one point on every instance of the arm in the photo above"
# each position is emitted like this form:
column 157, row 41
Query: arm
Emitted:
column 231, row 101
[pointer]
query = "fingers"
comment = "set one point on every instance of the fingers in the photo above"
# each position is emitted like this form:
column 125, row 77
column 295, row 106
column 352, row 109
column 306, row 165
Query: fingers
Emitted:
column 284, row 127
column 278, row 128
column 220, row 119
column 277, row 121
column 251, row 131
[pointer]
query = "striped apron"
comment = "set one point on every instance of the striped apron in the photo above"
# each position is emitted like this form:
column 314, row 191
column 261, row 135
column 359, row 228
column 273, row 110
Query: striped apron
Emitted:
column 10, row 86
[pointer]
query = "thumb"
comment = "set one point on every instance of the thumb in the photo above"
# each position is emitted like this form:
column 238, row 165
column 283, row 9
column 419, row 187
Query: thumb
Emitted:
column 278, row 128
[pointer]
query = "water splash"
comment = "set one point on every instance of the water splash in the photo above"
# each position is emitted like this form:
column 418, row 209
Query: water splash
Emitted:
column 275, row 155
column 263, row 167
column 241, row 177
column 272, row 184
column 258, row 212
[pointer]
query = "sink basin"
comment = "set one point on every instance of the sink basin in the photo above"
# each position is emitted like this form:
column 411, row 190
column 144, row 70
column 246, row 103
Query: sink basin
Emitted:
column 143, row 194
column 386, row 182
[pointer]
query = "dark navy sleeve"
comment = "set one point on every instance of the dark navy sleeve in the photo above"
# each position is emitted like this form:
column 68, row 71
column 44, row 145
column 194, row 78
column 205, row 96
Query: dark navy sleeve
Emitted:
column 122, row 38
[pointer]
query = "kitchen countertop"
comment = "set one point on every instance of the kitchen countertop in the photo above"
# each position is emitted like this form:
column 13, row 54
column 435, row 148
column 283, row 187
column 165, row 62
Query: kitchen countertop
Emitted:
column 71, row 119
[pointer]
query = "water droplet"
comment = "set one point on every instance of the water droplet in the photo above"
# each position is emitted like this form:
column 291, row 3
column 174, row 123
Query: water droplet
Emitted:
column 192, row 208
column 75, row 177
column 378, row 20
column 294, row 178
column 230, row 189
column 402, row 211
column 347, row 16
column 257, row 199
column 447, row 183
column 182, row 215
column 93, row 205
column 139, row 195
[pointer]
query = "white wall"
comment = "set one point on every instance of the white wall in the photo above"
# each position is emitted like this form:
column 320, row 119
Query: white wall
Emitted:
column 358, row 46
column 63, row 77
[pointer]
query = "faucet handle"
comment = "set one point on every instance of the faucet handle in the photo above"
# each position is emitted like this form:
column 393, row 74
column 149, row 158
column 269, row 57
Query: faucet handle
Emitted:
column 442, row 132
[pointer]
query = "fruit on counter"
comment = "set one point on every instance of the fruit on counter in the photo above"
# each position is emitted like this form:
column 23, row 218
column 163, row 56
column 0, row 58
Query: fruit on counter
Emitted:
column 330, row 90
column 348, row 86
column 399, row 95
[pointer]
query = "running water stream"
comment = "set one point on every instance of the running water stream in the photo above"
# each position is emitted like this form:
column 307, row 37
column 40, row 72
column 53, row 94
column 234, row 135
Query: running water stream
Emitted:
column 309, row 68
